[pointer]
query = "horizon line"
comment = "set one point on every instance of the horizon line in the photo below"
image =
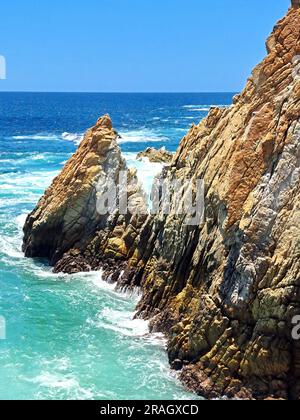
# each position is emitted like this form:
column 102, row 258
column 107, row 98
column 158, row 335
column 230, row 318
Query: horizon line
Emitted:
column 118, row 93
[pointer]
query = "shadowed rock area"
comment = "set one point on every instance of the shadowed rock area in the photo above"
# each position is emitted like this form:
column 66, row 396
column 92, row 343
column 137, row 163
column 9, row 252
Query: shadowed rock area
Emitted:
column 225, row 291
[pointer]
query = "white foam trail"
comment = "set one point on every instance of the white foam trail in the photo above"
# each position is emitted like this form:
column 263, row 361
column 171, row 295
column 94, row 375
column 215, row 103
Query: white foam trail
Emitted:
column 97, row 280
column 38, row 157
column 141, row 136
column 205, row 106
column 22, row 183
column 20, row 220
column 197, row 108
column 72, row 137
column 10, row 247
column 19, row 159
column 191, row 106
column 122, row 322
column 54, row 381
column 36, row 137
column 60, row 382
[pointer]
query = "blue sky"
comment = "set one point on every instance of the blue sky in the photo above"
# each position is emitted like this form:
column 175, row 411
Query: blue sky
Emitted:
column 134, row 45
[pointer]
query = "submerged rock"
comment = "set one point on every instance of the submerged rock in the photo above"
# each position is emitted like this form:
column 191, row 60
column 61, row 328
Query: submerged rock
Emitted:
column 225, row 290
column 156, row 155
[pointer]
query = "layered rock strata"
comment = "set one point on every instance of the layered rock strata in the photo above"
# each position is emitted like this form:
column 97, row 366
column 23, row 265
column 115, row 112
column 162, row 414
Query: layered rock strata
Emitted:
column 226, row 290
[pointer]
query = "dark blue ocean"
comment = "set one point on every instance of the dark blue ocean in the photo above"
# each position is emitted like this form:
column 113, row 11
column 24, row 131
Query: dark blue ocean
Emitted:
column 74, row 337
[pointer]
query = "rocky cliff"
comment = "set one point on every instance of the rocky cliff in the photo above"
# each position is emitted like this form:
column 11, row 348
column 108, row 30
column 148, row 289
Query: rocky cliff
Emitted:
column 68, row 228
column 226, row 290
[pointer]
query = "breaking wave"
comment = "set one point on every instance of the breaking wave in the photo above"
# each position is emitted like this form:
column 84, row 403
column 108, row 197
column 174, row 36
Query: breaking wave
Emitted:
column 72, row 137
column 142, row 136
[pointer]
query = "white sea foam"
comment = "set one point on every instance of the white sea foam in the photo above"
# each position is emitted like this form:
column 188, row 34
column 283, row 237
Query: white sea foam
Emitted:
column 36, row 137
column 203, row 108
column 40, row 156
column 146, row 170
column 60, row 382
column 5, row 160
column 20, row 220
column 122, row 322
column 191, row 106
column 96, row 279
column 25, row 158
column 133, row 136
column 141, row 136
column 72, row 137
column 10, row 247
column 19, row 180
column 11, row 202
column 197, row 108
column 55, row 381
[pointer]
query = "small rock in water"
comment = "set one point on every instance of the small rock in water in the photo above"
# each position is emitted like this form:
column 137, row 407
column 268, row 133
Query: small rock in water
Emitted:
column 155, row 155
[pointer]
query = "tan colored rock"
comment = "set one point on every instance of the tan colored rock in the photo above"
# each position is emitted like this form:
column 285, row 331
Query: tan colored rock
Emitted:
column 156, row 155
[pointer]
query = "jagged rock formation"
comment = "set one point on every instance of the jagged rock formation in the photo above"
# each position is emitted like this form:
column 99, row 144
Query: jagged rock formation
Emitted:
column 156, row 155
column 67, row 220
column 226, row 290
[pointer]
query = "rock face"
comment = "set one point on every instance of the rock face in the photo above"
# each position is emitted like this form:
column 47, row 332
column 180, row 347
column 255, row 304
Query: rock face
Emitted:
column 155, row 155
column 67, row 223
column 225, row 291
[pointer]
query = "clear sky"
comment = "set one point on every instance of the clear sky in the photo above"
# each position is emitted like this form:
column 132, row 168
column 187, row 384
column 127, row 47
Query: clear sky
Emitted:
column 134, row 45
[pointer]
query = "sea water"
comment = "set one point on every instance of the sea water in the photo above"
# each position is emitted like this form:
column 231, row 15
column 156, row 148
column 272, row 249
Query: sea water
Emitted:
column 75, row 337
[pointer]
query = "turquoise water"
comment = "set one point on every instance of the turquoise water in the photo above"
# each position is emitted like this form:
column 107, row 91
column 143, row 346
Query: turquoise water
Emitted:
column 74, row 337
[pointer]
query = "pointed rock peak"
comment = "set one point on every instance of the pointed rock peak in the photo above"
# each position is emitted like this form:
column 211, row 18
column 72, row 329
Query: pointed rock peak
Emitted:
column 105, row 122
